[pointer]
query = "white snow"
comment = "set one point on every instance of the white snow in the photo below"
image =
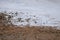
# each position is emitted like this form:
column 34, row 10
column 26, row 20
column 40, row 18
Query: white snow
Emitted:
column 47, row 12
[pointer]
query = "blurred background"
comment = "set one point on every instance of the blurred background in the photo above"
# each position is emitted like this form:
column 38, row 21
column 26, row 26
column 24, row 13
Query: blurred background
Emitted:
column 39, row 12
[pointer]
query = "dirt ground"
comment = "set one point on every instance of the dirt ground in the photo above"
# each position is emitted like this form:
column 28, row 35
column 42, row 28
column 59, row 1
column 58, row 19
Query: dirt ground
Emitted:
column 29, row 33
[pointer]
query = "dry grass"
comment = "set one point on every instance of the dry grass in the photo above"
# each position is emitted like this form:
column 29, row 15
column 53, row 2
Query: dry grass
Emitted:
column 29, row 33
column 10, row 32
